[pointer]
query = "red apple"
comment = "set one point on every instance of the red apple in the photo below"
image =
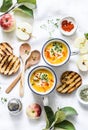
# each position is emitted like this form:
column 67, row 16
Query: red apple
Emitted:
column 7, row 22
column 34, row 111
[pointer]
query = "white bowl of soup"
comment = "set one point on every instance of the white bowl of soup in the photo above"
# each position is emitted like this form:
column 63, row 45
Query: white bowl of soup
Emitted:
column 42, row 80
column 56, row 52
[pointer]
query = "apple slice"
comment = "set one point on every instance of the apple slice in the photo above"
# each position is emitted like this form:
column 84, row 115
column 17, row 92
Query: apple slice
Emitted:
column 79, row 41
column 83, row 62
column 82, row 44
column 84, row 49
column 24, row 31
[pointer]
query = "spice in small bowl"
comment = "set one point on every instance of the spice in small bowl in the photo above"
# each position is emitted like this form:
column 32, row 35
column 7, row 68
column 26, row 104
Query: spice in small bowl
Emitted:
column 68, row 26
column 14, row 106
column 82, row 94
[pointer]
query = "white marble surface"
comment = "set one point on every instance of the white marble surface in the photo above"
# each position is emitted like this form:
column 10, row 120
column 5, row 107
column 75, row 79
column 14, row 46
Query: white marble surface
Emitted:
column 46, row 9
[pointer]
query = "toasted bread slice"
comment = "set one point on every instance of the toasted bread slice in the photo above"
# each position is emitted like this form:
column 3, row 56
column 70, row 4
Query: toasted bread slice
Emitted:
column 9, row 64
column 5, row 49
column 61, row 87
column 66, row 76
column 70, row 81
column 1, row 56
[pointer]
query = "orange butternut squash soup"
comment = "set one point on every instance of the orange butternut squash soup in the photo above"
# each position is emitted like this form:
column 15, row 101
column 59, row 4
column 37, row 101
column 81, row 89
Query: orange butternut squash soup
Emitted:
column 42, row 80
column 56, row 52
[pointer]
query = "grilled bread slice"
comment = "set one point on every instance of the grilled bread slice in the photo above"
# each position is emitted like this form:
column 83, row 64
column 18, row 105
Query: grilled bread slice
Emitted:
column 9, row 64
column 5, row 49
column 70, row 81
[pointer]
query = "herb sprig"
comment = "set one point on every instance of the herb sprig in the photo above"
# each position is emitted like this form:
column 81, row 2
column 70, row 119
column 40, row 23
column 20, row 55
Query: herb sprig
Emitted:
column 27, row 52
column 56, row 48
column 44, row 77
column 50, row 26
column 86, row 35
column 3, row 100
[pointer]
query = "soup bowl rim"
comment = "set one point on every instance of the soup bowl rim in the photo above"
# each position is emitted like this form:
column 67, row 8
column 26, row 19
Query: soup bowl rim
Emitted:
column 64, row 42
column 42, row 67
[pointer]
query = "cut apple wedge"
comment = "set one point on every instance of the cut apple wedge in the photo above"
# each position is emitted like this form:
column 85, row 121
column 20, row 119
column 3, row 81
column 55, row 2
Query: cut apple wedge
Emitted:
column 78, row 41
column 84, row 47
column 82, row 44
column 83, row 63
column 24, row 31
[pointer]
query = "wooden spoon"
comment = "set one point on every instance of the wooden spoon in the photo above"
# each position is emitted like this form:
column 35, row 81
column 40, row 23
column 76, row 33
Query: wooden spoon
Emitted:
column 32, row 60
column 24, row 53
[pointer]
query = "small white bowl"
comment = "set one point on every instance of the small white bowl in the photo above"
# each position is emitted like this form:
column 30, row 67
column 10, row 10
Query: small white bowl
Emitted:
column 73, row 21
column 78, row 94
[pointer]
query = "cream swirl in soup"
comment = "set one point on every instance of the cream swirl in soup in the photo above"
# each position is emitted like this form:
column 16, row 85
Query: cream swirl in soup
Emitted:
column 56, row 52
column 42, row 80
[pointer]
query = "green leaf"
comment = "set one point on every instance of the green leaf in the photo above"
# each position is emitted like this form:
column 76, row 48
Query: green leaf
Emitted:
column 86, row 35
column 69, row 111
column 46, row 129
column 65, row 125
column 25, row 10
column 31, row 4
column 59, row 116
column 49, row 116
column 6, row 5
column 58, row 128
column 27, row 1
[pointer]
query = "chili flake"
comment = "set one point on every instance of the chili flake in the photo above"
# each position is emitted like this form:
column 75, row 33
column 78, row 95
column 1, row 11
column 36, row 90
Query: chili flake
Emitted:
column 67, row 25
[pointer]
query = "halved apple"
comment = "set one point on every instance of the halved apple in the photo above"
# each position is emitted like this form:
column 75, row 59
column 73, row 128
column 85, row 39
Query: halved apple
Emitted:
column 24, row 31
column 78, row 41
column 82, row 44
column 83, row 62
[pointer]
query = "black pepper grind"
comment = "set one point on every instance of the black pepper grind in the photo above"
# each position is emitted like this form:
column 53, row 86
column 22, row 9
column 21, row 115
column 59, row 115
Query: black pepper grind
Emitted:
column 14, row 106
